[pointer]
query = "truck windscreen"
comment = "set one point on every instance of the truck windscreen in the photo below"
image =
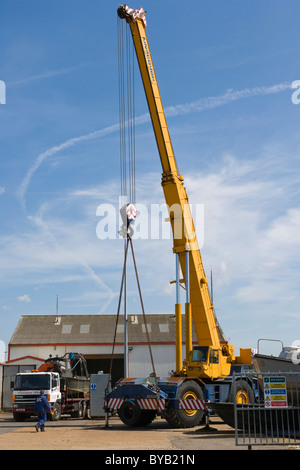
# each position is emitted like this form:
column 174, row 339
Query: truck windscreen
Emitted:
column 32, row 382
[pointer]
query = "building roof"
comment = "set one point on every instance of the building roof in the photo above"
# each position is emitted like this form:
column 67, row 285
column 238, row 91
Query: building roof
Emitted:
column 93, row 329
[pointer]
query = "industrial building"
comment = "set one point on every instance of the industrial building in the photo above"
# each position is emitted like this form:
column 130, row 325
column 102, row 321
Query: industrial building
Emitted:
column 38, row 336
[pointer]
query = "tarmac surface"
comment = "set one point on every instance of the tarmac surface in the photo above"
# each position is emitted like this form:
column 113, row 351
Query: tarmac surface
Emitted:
column 91, row 434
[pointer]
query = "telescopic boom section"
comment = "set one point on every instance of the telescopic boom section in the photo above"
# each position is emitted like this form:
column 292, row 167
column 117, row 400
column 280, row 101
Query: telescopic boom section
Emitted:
column 184, row 236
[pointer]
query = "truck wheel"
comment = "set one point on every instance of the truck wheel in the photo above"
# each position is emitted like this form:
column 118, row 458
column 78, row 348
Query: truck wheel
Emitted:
column 20, row 417
column 56, row 413
column 130, row 413
column 79, row 411
column 84, row 410
column 186, row 418
column 242, row 394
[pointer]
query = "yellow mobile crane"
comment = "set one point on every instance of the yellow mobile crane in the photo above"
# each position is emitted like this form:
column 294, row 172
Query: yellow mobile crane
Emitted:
column 219, row 355
column 211, row 360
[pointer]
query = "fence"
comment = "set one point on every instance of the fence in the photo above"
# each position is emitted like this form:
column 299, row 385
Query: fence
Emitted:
column 274, row 416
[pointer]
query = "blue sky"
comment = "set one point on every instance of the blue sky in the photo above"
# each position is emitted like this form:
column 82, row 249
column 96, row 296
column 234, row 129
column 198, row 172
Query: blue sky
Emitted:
column 225, row 71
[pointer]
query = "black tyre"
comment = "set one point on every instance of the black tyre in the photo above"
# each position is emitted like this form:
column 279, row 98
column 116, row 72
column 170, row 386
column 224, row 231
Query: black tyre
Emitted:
column 84, row 410
column 130, row 413
column 79, row 413
column 186, row 418
column 147, row 417
column 56, row 413
column 20, row 417
column 242, row 393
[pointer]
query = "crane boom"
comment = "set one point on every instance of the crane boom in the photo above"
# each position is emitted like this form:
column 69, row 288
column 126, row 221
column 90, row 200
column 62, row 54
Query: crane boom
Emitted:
column 205, row 324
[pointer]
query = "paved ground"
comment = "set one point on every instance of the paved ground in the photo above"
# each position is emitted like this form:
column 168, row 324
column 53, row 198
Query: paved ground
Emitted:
column 73, row 434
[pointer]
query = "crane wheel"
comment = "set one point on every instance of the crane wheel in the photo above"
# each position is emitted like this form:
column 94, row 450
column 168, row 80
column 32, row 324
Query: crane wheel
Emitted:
column 186, row 418
column 132, row 415
column 147, row 417
column 242, row 394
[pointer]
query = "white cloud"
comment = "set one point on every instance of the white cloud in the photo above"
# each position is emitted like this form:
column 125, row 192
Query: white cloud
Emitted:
column 2, row 190
column 245, row 233
column 242, row 234
column 251, row 243
column 24, row 298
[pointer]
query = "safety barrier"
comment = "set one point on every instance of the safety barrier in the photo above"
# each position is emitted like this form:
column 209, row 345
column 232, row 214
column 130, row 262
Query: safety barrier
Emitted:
column 274, row 416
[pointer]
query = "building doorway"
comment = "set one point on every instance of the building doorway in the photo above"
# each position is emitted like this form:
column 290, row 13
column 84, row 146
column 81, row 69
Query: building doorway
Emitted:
column 98, row 362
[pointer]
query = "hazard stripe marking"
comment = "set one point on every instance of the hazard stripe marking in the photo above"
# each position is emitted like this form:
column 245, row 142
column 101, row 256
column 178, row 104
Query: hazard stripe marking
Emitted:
column 191, row 404
column 154, row 404
column 114, row 403
column 151, row 403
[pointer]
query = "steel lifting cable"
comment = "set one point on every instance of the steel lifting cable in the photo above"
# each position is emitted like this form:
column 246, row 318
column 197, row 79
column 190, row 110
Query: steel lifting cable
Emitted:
column 127, row 168
column 143, row 310
column 126, row 111
column 131, row 115
column 126, row 144
column 129, row 240
column 121, row 82
column 118, row 313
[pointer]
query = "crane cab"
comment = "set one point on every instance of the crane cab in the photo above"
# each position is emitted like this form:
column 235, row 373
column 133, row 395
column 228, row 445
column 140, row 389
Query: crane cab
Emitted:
column 207, row 362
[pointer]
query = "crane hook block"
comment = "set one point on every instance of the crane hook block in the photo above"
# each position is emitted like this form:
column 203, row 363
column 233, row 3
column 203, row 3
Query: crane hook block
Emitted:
column 128, row 214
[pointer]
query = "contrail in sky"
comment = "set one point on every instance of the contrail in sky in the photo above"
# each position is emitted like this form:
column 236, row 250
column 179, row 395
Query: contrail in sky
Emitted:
column 48, row 74
column 228, row 97
column 57, row 148
column 196, row 106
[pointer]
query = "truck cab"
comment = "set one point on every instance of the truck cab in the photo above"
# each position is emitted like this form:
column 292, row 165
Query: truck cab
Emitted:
column 27, row 387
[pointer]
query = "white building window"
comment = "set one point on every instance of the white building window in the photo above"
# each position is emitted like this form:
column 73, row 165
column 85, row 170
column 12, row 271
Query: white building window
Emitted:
column 148, row 328
column 66, row 329
column 164, row 327
column 84, row 328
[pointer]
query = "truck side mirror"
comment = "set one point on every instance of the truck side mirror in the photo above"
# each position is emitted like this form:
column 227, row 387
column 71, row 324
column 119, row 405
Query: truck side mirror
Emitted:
column 12, row 384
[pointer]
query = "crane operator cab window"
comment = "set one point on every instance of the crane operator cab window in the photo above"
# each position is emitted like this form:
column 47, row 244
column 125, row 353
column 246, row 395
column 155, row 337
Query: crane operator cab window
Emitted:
column 214, row 356
column 200, row 354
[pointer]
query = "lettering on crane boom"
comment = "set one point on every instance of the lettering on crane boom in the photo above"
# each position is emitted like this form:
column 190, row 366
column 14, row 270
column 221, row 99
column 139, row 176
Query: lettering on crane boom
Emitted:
column 150, row 66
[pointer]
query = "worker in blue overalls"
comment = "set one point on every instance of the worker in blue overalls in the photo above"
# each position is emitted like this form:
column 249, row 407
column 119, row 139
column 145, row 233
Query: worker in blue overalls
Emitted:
column 41, row 407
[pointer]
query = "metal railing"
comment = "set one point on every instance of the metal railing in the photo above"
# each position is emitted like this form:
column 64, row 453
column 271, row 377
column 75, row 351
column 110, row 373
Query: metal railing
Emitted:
column 274, row 416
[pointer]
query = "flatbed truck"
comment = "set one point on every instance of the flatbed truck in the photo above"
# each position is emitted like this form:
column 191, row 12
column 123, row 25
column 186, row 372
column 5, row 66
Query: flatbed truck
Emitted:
column 66, row 384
